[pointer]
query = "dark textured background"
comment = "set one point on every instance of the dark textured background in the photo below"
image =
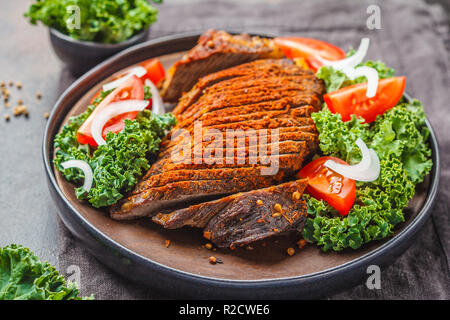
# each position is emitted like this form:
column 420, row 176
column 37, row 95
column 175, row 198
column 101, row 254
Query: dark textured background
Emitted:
column 412, row 40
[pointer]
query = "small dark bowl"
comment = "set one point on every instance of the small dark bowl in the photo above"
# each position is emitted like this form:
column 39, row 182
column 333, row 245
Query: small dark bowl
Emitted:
column 81, row 56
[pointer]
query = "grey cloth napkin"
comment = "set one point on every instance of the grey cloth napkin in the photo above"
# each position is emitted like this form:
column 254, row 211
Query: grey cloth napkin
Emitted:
column 412, row 40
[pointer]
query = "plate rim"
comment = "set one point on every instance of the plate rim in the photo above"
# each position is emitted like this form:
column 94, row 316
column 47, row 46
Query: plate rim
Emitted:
column 56, row 119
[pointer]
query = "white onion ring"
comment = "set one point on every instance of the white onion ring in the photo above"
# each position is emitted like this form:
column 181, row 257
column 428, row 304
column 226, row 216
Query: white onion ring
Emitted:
column 157, row 102
column 351, row 61
column 367, row 170
column 112, row 110
column 136, row 71
column 370, row 73
column 83, row 166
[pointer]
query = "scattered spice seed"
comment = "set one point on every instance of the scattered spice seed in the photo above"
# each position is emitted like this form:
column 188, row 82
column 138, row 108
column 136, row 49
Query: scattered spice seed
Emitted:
column 276, row 214
column 46, row 115
column 38, row 95
column 19, row 85
column 301, row 243
column 7, row 104
column 2, row 84
column 296, row 195
column 19, row 110
column 20, row 102
column 291, row 251
column 167, row 243
column 208, row 246
column 7, row 117
column 277, row 207
column 212, row 260
column 259, row 202
column 207, row 235
column 11, row 83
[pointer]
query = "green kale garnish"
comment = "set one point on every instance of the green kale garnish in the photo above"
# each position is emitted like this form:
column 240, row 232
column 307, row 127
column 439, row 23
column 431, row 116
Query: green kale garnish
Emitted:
column 399, row 138
column 336, row 79
column 24, row 277
column 147, row 93
column 119, row 163
column 101, row 96
column 123, row 159
column 106, row 21
column 68, row 148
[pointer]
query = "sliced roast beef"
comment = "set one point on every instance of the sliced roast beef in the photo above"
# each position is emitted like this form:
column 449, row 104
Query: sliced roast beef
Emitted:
column 215, row 51
column 242, row 218
column 279, row 114
column 154, row 199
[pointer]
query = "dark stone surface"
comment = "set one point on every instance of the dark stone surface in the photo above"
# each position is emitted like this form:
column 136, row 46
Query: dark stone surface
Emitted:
column 27, row 214
column 412, row 41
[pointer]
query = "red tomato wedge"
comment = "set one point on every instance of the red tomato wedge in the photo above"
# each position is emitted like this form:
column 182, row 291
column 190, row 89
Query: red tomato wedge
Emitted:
column 353, row 100
column 307, row 48
column 155, row 70
column 131, row 89
column 325, row 184
column 155, row 73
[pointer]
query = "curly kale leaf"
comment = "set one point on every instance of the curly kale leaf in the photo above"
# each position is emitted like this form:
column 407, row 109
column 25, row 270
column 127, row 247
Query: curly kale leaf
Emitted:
column 24, row 277
column 333, row 130
column 399, row 138
column 117, row 165
column 336, row 79
column 106, row 21
column 402, row 133
column 147, row 93
column 68, row 148
column 123, row 159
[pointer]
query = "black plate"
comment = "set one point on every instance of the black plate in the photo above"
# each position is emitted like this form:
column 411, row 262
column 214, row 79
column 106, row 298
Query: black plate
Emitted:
column 180, row 283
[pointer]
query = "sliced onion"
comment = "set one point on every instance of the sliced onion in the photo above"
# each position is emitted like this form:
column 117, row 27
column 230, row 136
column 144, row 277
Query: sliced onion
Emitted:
column 112, row 110
column 351, row 61
column 370, row 73
column 367, row 170
column 157, row 102
column 83, row 166
column 136, row 71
